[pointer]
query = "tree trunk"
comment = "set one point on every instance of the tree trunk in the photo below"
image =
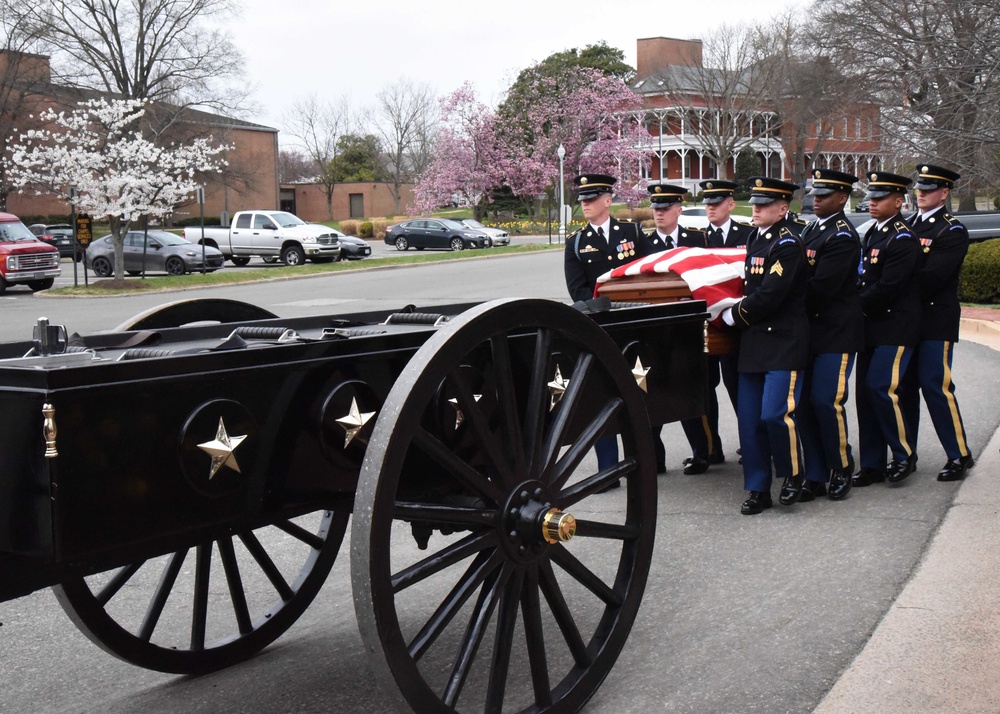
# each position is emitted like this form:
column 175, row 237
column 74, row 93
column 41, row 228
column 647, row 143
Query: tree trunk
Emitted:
column 118, row 230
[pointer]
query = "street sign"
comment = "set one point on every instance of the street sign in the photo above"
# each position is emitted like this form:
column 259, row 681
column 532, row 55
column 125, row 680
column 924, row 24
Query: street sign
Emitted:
column 84, row 229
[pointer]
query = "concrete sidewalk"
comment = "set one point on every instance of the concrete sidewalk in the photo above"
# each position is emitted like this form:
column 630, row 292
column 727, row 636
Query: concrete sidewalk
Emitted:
column 938, row 647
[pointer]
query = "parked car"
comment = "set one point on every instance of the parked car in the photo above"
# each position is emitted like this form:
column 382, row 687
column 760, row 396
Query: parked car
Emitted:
column 58, row 234
column 165, row 252
column 352, row 248
column 862, row 206
column 276, row 234
column 693, row 217
column 25, row 260
column 438, row 233
column 497, row 236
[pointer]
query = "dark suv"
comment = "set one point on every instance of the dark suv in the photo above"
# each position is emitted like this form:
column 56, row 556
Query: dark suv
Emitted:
column 59, row 235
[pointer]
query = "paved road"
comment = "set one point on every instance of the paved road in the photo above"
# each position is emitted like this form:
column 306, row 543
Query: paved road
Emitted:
column 740, row 614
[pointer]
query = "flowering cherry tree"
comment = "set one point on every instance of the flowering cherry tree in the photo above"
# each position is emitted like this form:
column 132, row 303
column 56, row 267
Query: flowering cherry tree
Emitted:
column 97, row 159
column 464, row 161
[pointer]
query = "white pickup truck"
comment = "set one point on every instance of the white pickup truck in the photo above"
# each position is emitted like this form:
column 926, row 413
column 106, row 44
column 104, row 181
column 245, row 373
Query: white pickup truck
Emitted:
column 273, row 235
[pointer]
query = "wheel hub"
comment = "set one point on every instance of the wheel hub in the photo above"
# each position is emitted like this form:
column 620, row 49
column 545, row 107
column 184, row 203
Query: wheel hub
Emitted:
column 530, row 523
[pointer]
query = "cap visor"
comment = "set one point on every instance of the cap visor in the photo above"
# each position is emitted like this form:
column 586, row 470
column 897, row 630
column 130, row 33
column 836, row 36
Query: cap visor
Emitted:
column 761, row 200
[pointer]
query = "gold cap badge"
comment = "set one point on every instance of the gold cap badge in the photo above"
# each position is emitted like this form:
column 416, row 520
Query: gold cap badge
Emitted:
column 759, row 182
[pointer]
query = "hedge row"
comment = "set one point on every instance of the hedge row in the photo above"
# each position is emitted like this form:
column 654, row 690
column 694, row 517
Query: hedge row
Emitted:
column 980, row 279
column 375, row 228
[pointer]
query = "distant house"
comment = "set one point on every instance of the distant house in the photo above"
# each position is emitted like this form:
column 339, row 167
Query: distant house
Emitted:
column 350, row 200
column 249, row 181
column 669, row 73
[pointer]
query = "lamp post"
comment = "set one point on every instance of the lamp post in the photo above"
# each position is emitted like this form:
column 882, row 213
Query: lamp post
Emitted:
column 561, row 151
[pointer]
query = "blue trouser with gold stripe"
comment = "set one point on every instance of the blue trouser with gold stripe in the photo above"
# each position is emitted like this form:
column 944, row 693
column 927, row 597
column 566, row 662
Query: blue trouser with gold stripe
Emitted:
column 822, row 416
column 880, row 418
column 766, row 411
column 933, row 370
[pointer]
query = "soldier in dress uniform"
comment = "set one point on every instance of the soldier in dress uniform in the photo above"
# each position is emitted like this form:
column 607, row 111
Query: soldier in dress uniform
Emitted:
column 944, row 242
column 723, row 232
column 891, row 303
column 666, row 201
column 836, row 335
column 774, row 348
column 603, row 244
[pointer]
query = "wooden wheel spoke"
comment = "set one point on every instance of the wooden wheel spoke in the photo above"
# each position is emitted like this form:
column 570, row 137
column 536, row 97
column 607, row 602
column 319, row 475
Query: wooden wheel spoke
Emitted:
column 454, row 515
column 313, row 540
column 612, row 531
column 466, row 476
column 116, row 583
column 503, row 643
column 479, row 424
column 585, row 576
column 503, row 376
column 534, row 417
column 267, row 565
column 163, row 588
column 199, row 615
column 592, row 484
column 235, row 582
column 557, row 474
column 561, row 612
column 444, row 558
column 531, row 609
column 489, row 595
column 477, row 572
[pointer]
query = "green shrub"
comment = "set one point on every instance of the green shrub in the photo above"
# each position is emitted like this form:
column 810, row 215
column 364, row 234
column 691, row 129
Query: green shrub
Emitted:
column 349, row 227
column 980, row 278
column 366, row 230
column 196, row 221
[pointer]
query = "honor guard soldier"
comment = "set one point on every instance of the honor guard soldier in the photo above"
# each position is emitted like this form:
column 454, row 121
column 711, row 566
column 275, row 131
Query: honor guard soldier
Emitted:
column 891, row 304
column 702, row 433
column 944, row 241
column 601, row 245
column 774, row 348
column 719, row 197
column 836, row 335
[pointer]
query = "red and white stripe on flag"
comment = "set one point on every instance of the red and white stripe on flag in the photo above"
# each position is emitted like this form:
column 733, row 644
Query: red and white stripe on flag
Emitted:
column 714, row 275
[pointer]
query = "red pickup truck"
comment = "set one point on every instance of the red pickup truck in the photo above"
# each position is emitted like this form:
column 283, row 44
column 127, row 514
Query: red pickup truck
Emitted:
column 23, row 258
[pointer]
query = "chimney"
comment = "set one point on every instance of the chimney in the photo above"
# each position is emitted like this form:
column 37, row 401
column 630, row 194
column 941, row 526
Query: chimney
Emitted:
column 655, row 53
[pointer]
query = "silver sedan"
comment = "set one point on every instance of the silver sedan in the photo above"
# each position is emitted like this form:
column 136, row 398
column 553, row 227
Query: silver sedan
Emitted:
column 164, row 252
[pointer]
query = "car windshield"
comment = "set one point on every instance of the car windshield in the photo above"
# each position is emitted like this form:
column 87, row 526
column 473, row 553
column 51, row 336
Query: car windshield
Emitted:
column 286, row 220
column 15, row 232
column 473, row 223
column 61, row 229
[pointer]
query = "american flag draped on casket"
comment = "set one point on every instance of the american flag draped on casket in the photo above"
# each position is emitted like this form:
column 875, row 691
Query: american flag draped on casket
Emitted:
column 714, row 275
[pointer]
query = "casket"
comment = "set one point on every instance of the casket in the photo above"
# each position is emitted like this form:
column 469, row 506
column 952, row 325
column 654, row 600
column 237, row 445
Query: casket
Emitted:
column 653, row 283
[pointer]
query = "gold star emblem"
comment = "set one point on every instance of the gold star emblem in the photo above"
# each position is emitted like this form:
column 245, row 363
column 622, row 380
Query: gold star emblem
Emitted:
column 557, row 388
column 459, row 416
column 222, row 449
column 640, row 372
column 354, row 421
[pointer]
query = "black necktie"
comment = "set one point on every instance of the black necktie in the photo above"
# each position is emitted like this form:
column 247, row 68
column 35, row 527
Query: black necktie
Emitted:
column 600, row 232
column 917, row 220
column 715, row 237
column 669, row 242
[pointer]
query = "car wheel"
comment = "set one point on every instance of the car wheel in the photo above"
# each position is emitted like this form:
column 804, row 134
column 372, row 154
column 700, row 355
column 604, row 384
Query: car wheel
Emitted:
column 457, row 244
column 270, row 259
column 401, row 243
column 240, row 259
column 102, row 267
column 37, row 285
column 175, row 266
column 293, row 255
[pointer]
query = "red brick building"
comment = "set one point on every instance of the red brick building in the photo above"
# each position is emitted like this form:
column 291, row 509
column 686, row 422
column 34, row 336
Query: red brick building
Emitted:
column 669, row 75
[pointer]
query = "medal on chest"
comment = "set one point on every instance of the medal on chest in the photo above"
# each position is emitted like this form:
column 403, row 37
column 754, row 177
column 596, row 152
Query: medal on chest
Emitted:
column 874, row 255
column 811, row 255
column 926, row 243
column 757, row 265
column 626, row 249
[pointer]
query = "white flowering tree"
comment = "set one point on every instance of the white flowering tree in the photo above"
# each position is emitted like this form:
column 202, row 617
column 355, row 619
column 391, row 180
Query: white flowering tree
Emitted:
column 97, row 158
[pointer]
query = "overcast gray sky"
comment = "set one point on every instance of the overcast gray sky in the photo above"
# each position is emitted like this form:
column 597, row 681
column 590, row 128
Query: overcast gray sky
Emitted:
column 336, row 47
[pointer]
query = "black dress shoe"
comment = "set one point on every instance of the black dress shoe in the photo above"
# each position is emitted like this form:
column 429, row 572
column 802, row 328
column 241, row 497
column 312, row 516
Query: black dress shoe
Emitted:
column 661, row 468
column 717, row 457
column 758, row 501
column 611, row 486
column 955, row 470
column 897, row 470
column 840, row 484
column 696, row 466
column 811, row 490
column 791, row 490
column 867, row 476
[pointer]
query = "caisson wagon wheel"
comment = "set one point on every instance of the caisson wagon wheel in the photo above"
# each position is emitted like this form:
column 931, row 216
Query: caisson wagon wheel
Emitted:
column 489, row 572
column 212, row 605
